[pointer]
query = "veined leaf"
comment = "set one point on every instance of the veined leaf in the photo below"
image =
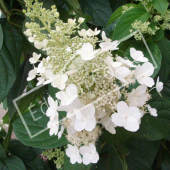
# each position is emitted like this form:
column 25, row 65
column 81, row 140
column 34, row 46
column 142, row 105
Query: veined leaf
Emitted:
column 160, row 5
column 9, row 59
column 118, row 12
column 1, row 37
column 156, row 128
column 2, row 153
column 12, row 163
column 38, row 128
column 99, row 10
column 165, row 50
column 142, row 154
column 124, row 24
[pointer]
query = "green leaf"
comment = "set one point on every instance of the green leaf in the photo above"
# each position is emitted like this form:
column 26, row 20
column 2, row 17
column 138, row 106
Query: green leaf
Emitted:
column 19, row 86
column 99, row 10
column 118, row 12
column 165, row 164
column 25, row 102
column 166, row 89
column 156, row 128
column 28, row 155
column 43, row 139
column 159, row 35
column 116, row 157
column 25, row 153
column 2, row 133
column 75, row 5
column 2, row 153
column 164, row 45
column 120, row 136
column 9, row 59
column 124, row 24
column 142, row 154
column 117, row 3
column 37, row 164
column 1, row 37
column 154, row 48
column 4, row 103
column 6, row 118
column 12, row 163
column 101, row 165
column 160, row 5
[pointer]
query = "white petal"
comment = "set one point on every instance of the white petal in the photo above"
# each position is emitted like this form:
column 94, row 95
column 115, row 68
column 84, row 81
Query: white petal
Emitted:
column 137, row 55
column 92, row 147
column 82, row 33
column 148, row 81
column 73, row 159
column 123, row 71
column 91, row 124
column 88, row 110
column 62, row 95
column 32, row 74
column 122, row 107
column 95, row 158
column 71, row 89
column 132, row 124
column 118, row 120
column 134, row 112
column 84, row 149
column 75, row 104
column 52, row 103
column 152, row 111
column 104, row 37
column 40, row 81
column 28, row 32
column 159, row 86
column 86, row 159
column 141, row 89
column 54, row 130
column 149, row 68
column 79, row 159
column 79, row 124
column 111, row 128
column 60, row 132
column 49, row 74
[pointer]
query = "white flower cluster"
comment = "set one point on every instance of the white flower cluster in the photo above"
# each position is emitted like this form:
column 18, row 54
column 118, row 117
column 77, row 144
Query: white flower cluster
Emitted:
column 94, row 85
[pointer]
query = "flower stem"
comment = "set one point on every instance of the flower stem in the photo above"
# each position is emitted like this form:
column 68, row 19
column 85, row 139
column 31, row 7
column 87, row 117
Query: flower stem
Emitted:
column 4, row 8
column 49, row 30
column 8, row 137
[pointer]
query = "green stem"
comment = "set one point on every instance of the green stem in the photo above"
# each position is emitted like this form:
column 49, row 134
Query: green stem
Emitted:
column 4, row 8
column 8, row 137
column 49, row 30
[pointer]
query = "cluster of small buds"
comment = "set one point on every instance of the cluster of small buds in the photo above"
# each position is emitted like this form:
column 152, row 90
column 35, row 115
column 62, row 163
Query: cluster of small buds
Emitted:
column 57, row 155
column 145, row 2
column 84, row 137
column 93, row 83
column 166, row 20
column 157, row 18
column 126, row 8
column 143, row 28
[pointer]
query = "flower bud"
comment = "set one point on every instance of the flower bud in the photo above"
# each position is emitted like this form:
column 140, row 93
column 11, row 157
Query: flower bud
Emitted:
column 81, row 20
column 71, row 21
column 56, row 14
